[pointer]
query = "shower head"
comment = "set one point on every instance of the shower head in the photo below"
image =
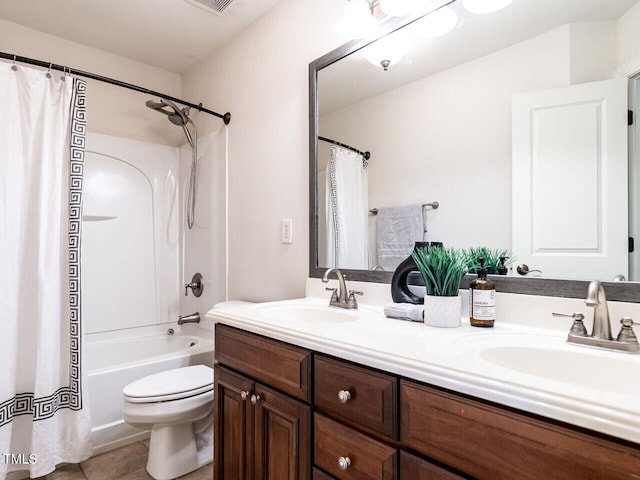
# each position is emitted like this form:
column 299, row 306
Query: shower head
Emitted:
column 171, row 110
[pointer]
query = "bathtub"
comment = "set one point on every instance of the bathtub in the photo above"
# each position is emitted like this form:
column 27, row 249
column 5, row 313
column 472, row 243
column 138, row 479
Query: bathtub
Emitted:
column 114, row 359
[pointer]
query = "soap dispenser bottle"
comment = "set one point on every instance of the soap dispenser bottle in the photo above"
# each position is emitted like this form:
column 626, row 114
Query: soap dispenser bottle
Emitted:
column 482, row 299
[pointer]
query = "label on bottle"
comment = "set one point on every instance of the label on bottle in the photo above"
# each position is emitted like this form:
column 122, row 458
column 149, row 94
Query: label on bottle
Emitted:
column 483, row 304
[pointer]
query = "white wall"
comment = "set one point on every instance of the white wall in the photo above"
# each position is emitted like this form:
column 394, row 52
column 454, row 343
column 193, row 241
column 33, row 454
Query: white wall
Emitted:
column 111, row 110
column 628, row 38
column 261, row 77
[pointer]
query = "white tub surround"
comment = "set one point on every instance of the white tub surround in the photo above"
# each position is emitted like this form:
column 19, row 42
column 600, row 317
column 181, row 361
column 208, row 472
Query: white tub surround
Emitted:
column 520, row 363
column 117, row 358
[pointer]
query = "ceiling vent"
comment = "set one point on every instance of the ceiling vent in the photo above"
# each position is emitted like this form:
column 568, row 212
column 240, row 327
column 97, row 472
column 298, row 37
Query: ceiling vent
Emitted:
column 218, row 7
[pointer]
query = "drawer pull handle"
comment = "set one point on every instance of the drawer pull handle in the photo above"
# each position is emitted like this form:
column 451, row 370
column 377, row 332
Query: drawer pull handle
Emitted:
column 244, row 394
column 255, row 399
column 344, row 396
column 343, row 463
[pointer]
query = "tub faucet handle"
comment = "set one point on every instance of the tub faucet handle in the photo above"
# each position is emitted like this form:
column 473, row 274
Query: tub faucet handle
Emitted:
column 196, row 286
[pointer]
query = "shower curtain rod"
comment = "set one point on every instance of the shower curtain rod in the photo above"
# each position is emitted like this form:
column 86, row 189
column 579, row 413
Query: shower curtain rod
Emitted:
column 366, row 155
column 226, row 118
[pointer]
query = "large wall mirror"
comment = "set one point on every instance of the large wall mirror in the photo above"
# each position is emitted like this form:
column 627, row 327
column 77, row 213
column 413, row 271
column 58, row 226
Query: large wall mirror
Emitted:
column 513, row 124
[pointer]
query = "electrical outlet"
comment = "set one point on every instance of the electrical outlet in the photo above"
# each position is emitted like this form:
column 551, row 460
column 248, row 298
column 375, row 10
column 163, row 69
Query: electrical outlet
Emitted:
column 287, row 233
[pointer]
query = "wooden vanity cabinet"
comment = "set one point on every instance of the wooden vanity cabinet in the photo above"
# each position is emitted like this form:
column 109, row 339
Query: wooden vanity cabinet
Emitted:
column 390, row 428
column 260, row 432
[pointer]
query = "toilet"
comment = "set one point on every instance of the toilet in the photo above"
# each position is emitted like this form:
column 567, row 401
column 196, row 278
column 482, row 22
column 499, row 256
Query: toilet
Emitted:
column 177, row 406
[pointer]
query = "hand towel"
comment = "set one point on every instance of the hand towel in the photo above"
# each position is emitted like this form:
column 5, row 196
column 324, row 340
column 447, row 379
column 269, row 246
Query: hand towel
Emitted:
column 399, row 227
column 404, row 311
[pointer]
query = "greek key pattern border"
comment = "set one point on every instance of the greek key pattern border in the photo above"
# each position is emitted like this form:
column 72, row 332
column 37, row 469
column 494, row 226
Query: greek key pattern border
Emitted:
column 69, row 397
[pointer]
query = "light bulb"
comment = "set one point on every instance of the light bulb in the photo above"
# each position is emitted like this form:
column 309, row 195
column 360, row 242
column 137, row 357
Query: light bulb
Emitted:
column 387, row 51
column 485, row 6
column 401, row 8
column 356, row 21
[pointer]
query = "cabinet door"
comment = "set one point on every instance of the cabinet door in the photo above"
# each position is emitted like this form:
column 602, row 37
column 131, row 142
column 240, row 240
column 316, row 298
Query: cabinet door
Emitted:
column 282, row 441
column 233, row 426
column 415, row 468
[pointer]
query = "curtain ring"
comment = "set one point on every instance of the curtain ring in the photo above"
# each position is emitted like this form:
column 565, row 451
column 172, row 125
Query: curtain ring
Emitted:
column 64, row 73
column 14, row 67
column 48, row 74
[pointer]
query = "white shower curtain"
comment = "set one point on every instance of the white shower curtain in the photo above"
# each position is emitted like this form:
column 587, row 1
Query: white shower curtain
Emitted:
column 347, row 210
column 44, row 419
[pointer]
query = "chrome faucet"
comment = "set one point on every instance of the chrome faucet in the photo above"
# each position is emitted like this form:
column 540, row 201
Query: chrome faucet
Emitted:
column 601, row 333
column 339, row 296
column 193, row 318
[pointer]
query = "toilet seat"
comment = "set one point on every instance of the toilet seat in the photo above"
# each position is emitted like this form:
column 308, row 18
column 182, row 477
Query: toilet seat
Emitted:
column 170, row 385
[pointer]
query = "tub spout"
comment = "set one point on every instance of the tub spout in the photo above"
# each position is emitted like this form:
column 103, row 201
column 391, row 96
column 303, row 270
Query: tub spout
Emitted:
column 193, row 318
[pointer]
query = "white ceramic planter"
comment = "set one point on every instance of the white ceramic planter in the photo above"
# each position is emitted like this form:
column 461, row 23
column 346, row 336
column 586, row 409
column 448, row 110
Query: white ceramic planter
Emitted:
column 442, row 311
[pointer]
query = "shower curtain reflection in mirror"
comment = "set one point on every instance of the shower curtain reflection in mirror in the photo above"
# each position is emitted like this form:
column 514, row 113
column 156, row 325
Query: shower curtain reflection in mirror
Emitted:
column 347, row 210
column 43, row 407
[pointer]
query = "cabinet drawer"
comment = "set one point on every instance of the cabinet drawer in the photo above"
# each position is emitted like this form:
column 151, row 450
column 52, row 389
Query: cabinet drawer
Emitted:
column 369, row 458
column 489, row 442
column 320, row 475
column 283, row 366
column 372, row 401
column 415, row 468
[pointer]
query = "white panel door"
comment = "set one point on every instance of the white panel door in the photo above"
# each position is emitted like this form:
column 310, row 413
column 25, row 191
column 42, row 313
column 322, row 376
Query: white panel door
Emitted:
column 570, row 180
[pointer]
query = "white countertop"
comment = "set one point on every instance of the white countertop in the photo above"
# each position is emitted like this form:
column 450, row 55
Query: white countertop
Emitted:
column 511, row 364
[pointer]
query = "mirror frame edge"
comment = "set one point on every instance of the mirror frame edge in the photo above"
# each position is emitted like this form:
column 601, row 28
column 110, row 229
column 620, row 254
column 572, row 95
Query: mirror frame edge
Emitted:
column 551, row 287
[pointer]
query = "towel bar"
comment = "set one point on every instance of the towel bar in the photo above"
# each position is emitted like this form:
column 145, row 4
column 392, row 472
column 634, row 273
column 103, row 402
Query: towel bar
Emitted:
column 432, row 205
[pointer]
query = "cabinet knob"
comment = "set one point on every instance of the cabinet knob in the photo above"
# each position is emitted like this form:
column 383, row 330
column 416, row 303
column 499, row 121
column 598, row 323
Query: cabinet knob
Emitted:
column 343, row 463
column 255, row 399
column 344, row 396
column 245, row 394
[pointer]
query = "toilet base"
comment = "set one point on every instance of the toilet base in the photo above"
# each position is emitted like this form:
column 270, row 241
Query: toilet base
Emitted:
column 173, row 452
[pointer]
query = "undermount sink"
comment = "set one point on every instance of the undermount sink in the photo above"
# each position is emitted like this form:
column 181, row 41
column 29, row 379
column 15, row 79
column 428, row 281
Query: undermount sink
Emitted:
column 550, row 357
column 585, row 369
column 308, row 313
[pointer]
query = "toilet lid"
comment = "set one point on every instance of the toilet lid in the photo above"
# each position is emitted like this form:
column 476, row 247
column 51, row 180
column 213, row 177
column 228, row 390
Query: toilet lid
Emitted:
column 170, row 385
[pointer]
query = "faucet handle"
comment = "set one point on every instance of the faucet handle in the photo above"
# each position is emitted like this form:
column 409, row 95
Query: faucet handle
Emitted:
column 578, row 327
column 351, row 301
column 626, row 332
column 334, row 295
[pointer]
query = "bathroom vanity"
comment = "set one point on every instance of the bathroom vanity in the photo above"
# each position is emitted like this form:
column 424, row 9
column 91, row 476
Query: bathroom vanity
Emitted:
column 307, row 391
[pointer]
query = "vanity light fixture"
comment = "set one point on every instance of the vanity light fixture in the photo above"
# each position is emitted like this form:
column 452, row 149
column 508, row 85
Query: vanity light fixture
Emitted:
column 485, row 6
column 356, row 21
column 401, row 8
column 388, row 50
column 435, row 24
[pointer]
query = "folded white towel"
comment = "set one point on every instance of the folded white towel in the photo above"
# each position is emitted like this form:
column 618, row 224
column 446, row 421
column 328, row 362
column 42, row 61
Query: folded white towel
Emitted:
column 405, row 311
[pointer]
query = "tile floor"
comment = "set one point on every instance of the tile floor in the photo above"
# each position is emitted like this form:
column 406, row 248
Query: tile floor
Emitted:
column 124, row 463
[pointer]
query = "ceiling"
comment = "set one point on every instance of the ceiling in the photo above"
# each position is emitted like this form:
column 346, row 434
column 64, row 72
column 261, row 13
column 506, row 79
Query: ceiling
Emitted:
column 170, row 34
column 354, row 79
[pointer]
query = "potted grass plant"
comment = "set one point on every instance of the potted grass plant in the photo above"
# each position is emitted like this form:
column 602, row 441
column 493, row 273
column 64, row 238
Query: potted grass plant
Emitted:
column 442, row 270
column 496, row 260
